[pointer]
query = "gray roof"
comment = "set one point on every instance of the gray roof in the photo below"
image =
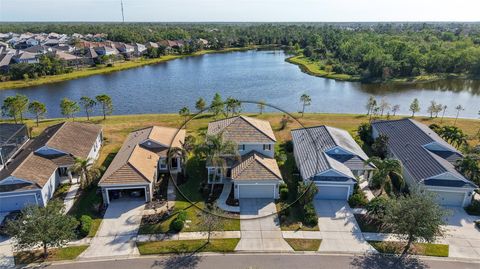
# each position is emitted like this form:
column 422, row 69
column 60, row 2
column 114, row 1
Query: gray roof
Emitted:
column 312, row 144
column 407, row 139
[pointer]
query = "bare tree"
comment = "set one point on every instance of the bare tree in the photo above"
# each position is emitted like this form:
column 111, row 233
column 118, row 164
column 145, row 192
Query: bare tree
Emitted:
column 210, row 220
column 384, row 105
column 395, row 109
column 458, row 108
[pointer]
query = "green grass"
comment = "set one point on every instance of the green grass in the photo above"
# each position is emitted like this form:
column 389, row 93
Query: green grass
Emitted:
column 423, row 249
column 190, row 190
column 58, row 254
column 118, row 66
column 187, row 246
column 313, row 68
column 86, row 204
column 367, row 226
column 304, row 244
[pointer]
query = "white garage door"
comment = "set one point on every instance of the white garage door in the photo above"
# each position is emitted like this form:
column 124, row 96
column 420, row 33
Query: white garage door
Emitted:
column 449, row 198
column 326, row 192
column 256, row 191
column 16, row 202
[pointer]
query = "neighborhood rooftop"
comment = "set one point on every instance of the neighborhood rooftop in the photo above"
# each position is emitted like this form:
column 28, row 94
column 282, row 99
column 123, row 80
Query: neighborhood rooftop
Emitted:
column 256, row 166
column 241, row 129
column 311, row 146
column 422, row 152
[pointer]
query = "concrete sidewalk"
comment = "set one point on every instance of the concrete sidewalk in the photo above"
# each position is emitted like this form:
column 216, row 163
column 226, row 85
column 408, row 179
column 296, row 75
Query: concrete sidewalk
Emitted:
column 222, row 200
column 70, row 197
column 188, row 236
column 6, row 253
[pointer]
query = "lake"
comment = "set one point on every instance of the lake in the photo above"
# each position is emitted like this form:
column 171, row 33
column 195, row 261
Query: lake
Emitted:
column 248, row 75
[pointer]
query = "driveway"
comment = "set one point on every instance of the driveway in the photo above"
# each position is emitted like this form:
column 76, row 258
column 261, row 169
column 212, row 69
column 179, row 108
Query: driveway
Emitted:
column 260, row 228
column 462, row 236
column 116, row 235
column 339, row 229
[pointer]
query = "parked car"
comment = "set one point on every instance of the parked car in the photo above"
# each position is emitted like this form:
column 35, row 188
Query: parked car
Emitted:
column 136, row 194
column 14, row 215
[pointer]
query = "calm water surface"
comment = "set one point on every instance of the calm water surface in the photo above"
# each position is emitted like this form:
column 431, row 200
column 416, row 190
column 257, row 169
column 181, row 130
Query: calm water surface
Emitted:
column 250, row 75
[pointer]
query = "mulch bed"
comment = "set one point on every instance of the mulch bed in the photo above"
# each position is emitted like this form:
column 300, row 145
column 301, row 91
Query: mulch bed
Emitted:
column 231, row 201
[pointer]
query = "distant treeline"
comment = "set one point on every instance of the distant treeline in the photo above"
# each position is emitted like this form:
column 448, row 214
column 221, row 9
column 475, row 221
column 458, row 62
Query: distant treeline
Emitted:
column 372, row 51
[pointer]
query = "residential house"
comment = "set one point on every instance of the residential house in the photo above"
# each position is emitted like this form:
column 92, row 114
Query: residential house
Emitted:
column 25, row 57
column 139, row 49
column 34, row 173
column 32, row 42
column 40, row 49
column 70, row 59
column 256, row 173
column 427, row 160
column 143, row 156
column 5, row 59
column 331, row 159
column 106, row 50
column 124, row 49
column 151, row 45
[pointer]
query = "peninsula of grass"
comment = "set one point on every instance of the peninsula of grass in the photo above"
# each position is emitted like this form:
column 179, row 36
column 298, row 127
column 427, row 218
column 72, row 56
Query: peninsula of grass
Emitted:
column 422, row 249
column 103, row 69
column 187, row 246
column 304, row 244
column 56, row 254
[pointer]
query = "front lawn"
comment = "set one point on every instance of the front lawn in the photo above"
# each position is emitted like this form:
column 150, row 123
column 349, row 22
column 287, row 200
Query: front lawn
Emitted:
column 304, row 244
column 368, row 225
column 190, row 190
column 187, row 246
column 87, row 204
column 57, row 254
column 423, row 249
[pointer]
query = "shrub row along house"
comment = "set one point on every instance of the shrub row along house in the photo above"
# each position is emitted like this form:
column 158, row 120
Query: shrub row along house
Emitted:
column 427, row 160
column 255, row 174
column 32, row 174
column 144, row 155
column 330, row 158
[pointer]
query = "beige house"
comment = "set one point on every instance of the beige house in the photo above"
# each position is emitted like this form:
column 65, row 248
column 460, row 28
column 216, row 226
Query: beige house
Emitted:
column 143, row 156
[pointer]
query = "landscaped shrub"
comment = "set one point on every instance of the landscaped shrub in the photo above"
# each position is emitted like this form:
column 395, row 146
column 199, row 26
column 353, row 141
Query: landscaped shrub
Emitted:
column 310, row 215
column 283, row 186
column 357, row 200
column 377, row 207
column 85, row 225
column 283, row 194
column 473, row 208
column 176, row 225
column 182, row 216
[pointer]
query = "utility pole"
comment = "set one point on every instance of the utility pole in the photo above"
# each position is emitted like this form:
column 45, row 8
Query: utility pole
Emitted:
column 123, row 16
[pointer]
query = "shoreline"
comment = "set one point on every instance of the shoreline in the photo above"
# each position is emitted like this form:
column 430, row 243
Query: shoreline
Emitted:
column 311, row 68
column 120, row 66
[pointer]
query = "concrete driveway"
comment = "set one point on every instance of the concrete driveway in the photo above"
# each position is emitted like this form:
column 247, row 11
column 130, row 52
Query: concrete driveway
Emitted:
column 462, row 236
column 260, row 228
column 116, row 235
column 338, row 228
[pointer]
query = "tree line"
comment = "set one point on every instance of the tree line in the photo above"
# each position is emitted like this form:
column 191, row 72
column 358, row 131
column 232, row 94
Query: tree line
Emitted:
column 16, row 106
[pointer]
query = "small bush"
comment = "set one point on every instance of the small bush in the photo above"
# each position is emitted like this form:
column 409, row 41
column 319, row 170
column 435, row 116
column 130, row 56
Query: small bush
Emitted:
column 357, row 200
column 182, row 216
column 176, row 225
column 473, row 208
column 85, row 225
column 310, row 215
column 283, row 186
column 284, row 194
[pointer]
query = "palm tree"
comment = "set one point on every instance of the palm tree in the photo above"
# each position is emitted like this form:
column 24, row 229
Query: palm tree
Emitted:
column 178, row 152
column 86, row 170
column 185, row 112
column 261, row 106
column 217, row 152
column 306, row 100
column 385, row 170
column 443, row 113
column 458, row 108
column 453, row 135
column 469, row 167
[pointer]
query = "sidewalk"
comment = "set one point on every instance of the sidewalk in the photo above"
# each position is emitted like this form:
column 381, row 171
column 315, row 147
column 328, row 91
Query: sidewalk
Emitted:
column 368, row 193
column 6, row 253
column 222, row 200
column 187, row 236
column 70, row 197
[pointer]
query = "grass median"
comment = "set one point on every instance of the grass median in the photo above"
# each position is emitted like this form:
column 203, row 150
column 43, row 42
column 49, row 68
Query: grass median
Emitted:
column 304, row 244
column 56, row 254
column 187, row 246
column 423, row 249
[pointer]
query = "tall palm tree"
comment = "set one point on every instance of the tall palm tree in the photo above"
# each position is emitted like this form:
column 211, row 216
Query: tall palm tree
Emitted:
column 87, row 171
column 306, row 100
column 458, row 108
column 469, row 167
column 218, row 151
column 386, row 168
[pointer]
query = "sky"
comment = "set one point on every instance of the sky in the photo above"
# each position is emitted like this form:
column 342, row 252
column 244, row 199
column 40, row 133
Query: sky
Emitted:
column 241, row 10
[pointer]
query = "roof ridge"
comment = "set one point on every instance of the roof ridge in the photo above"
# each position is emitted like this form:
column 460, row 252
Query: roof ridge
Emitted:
column 247, row 119
column 138, row 171
column 262, row 164
column 62, row 124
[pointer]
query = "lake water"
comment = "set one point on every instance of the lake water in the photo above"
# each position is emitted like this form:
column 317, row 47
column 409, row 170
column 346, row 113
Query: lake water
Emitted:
column 249, row 75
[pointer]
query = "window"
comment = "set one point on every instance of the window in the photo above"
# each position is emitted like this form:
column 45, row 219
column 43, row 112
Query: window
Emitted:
column 241, row 147
column 163, row 163
column 63, row 171
column 267, row 147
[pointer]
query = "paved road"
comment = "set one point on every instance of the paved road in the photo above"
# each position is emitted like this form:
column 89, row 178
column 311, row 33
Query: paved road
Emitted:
column 261, row 261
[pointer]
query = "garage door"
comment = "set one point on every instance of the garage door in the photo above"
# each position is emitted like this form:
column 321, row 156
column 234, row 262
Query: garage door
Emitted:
column 326, row 192
column 449, row 198
column 16, row 202
column 256, row 191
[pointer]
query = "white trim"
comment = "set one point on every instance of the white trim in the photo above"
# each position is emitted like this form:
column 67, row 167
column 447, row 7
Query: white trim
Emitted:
column 11, row 178
column 274, row 185
column 334, row 170
column 336, row 185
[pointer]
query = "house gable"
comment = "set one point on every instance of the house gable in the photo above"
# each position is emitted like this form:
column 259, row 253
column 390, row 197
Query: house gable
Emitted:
column 49, row 151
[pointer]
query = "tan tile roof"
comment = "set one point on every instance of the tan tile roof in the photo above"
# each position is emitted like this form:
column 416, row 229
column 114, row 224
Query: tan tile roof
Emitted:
column 255, row 166
column 136, row 164
column 76, row 138
column 243, row 129
column 36, row 168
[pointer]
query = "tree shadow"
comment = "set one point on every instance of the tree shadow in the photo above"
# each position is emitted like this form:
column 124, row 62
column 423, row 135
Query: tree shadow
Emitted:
column 181, row 260
column 380, row 261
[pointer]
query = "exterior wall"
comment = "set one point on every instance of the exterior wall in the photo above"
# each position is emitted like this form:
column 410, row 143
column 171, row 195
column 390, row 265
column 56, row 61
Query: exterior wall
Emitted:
column 258, row 148
column 165, row 170
column 49, row 188
column 95, row 151
column 32, row 193
column 468, row 194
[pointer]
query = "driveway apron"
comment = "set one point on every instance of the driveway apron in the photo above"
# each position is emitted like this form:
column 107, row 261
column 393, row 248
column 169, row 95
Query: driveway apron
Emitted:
column 260, row 228
column 462, row 236
column 117, row 233
column 339, row 229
